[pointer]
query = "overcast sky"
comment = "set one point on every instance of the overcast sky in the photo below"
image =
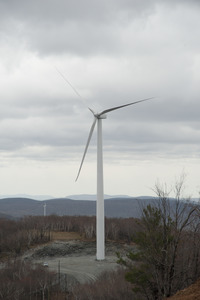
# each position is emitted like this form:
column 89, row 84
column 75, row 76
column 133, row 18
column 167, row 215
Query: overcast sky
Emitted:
column 113, row 52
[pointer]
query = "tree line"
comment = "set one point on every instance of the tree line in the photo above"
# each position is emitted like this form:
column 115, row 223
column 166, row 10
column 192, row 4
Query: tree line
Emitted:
column 19, row 235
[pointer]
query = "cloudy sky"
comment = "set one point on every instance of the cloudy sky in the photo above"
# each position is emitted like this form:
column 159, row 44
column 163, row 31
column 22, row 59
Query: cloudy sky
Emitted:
column 112, row 52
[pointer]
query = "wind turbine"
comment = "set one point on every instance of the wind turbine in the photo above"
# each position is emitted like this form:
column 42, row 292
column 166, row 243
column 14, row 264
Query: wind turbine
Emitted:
column 45, row 206
column 100, row 219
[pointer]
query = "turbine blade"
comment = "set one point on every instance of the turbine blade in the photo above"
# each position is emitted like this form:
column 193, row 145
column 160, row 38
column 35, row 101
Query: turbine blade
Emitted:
column 69, row 83
column 73, row 88
column 91, row 111
column 86, row 147
column 121, row 106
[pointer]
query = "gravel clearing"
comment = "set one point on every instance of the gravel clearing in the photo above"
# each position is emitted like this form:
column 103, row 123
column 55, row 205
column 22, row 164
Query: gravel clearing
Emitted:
column 76, row 260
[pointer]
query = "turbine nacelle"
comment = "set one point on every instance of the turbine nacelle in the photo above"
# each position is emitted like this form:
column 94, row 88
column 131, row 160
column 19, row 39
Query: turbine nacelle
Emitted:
column 101, row 116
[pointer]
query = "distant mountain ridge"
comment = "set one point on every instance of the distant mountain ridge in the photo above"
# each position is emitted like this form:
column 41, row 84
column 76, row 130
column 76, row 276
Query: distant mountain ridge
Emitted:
column 94, row 197
column 115, row 207
column 34, row 197
column 91, row 197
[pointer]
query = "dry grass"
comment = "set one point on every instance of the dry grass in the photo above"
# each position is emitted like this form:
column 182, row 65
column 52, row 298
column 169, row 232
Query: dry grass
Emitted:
column 110, row 285
column 65, row 236
column 190, row 293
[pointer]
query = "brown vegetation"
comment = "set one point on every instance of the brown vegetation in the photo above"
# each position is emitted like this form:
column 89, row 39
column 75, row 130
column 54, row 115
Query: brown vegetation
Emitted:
column 110, row 285
column 21, row 281
column 190, row 293
column 65, row 236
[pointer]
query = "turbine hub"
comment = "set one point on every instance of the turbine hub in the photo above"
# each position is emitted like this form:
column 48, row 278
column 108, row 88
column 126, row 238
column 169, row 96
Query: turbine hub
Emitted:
column 104, row 116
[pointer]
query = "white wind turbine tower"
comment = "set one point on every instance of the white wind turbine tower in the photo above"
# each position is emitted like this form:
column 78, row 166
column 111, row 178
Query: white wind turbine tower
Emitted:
column 45, row 209
column 100, row 219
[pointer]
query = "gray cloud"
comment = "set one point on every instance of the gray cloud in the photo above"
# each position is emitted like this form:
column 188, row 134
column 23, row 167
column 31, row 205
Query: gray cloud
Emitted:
column 75, row 27
column 113, row 52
